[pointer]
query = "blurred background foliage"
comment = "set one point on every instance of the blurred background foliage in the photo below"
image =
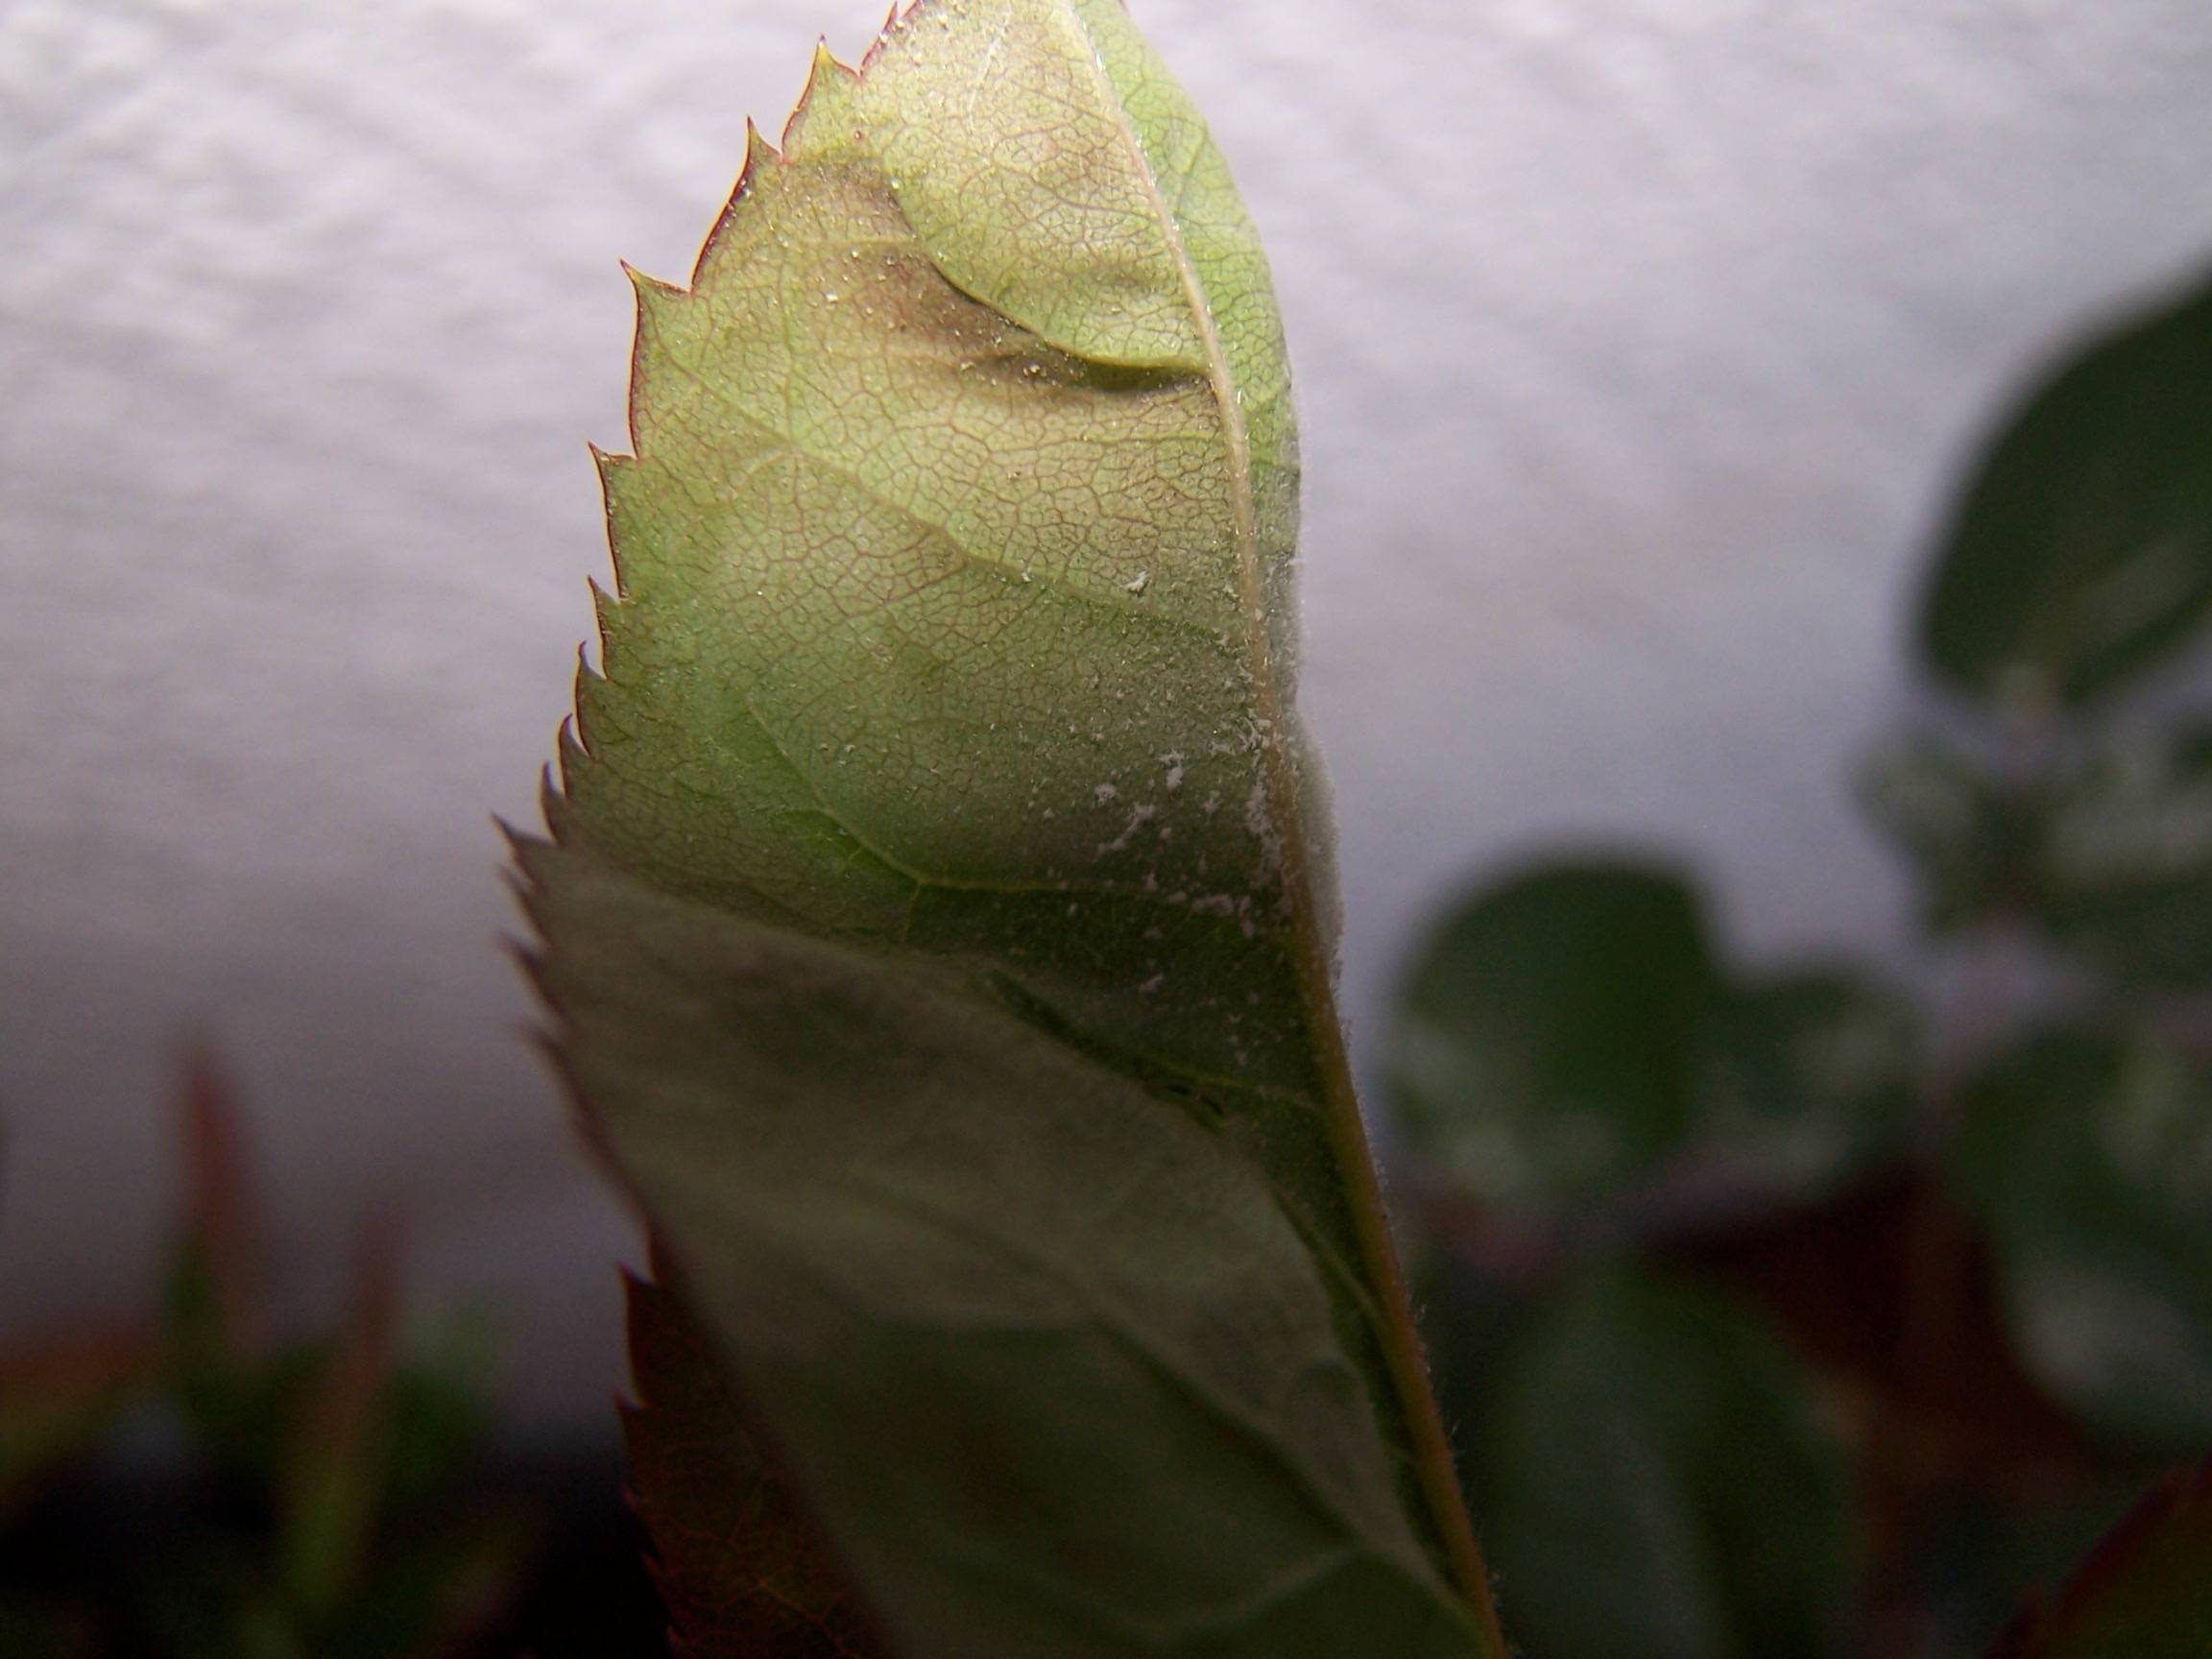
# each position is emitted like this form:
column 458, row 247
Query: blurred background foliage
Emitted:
column 202, row 1488
column 1780, row 1313
column 1799, row 1312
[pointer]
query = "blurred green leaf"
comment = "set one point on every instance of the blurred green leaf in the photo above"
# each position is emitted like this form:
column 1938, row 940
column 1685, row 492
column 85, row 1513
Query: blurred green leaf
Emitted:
column 331, row 1480
column 2122, row 869
column 2089, row 1160
column 1546, row 1044
column 2109, row 850
column 1803, row 1078
column 239, row 1396
column 240, row 1413
column 1569, row 1040
column 1966, row 837
column 2144, row 1593
column 437, row 1413
column 2081, row 553
column 1981, row 1553
column 1653, row 1481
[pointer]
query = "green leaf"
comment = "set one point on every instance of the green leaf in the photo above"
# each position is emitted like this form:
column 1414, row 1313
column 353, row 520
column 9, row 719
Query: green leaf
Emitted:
column 742, row 1570
column 1046, row 1358
column 336, row 1456
column 1654, row 1481
column 2124, row 861
column 2081, row 553
column 2144, row 1593
column 1967, row 837
column 2106, row 850
column 2089, row 1160
column 1546, row 1046
column 439, row 1412
column 1980, row 1550
column 954, row 627
column 1568, row 1041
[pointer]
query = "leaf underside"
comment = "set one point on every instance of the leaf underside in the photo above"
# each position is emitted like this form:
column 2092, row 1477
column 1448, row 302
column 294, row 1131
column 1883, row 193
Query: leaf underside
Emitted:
column 1050, row 1365
column 2089, row 1161
column 939, row 946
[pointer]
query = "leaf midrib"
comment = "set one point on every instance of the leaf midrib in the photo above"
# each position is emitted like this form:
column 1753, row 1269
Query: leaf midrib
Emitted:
column 1400, row 1343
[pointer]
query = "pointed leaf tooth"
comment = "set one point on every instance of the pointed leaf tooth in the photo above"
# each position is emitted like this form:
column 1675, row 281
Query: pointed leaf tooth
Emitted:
column 821, row 100
column 759, row 156
column 572, row 760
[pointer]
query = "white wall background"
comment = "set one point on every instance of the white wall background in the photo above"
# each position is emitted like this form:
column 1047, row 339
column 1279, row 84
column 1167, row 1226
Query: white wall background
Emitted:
column 1639, row 341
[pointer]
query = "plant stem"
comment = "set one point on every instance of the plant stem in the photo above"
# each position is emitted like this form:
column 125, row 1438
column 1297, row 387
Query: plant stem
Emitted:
column 1401, row 1341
